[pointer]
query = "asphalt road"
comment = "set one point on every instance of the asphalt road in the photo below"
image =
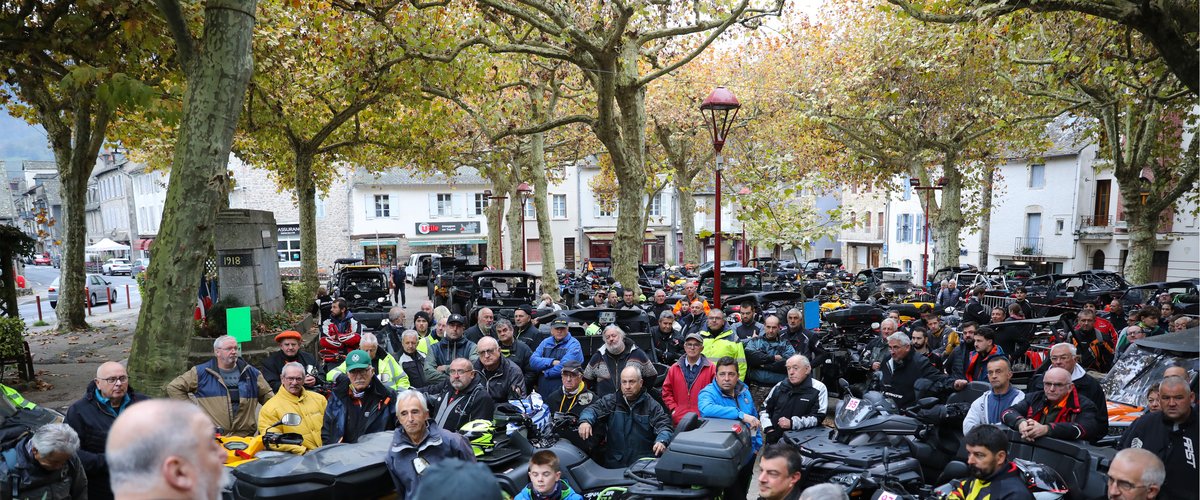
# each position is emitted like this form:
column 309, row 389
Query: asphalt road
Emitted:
column 40, row 277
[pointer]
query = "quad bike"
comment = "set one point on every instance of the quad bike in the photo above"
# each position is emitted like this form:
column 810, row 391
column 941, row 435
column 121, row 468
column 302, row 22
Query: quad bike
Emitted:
column 240, row 450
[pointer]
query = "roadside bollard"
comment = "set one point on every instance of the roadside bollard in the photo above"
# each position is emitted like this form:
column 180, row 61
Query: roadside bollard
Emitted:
column 88, row 298
column 109, row 296
column 38, row 300
column 128, row 304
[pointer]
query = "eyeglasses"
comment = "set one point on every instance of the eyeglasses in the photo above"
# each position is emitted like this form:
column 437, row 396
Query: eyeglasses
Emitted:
column 460, row 372
column 116, row 380
column 293, row 379
column 1123, row 485
column 1056, row 384
column 488, row 351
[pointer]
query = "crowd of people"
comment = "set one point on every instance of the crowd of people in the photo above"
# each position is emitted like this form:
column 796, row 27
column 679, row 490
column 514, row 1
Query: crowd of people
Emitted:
column 426, row 379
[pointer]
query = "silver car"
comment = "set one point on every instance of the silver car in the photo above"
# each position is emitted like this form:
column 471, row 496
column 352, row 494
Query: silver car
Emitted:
column 94, row 284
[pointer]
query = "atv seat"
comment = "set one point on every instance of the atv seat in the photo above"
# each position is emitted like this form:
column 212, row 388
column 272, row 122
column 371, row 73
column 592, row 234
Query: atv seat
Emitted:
column 1078, row 467
column 591, row 476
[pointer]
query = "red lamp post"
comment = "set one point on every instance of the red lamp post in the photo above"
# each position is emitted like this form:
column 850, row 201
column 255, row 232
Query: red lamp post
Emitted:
column 487, row 195
column 718, row 105
column 524, row 190
column 916, row 184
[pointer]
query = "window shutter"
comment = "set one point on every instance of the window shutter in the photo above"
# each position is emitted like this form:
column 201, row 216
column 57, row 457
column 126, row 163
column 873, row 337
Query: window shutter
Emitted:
column 433, row 211
column 899, row 228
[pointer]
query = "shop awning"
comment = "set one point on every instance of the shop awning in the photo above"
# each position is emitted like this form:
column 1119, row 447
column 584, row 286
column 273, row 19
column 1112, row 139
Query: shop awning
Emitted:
column 377, row 243
column 143, row 244
column 433, row 243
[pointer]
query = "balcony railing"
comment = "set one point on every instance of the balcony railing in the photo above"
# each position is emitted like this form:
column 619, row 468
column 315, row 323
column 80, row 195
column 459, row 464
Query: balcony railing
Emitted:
column 1095, row 221
column 863, row 233
column 1028, row 246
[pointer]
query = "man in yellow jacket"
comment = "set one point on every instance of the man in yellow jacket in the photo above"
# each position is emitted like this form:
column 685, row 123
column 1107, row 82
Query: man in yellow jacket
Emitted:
column 720, row 341
column 387, row 369
column 294, row 399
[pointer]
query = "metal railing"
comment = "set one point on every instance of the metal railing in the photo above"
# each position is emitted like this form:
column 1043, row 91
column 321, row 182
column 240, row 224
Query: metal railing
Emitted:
column 1027, row 246
column 1095, row 221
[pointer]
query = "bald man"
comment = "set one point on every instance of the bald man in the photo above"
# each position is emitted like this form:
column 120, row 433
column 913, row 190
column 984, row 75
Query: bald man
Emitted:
column 106, row 398
column 164, row 450
column 1058, row 411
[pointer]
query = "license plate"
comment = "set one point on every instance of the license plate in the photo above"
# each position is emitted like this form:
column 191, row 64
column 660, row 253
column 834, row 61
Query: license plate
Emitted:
column 852, row 404
column 887, row 495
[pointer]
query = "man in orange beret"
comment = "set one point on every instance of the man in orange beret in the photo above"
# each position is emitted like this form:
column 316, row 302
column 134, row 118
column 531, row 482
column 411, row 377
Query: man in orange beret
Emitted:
column 289, row 351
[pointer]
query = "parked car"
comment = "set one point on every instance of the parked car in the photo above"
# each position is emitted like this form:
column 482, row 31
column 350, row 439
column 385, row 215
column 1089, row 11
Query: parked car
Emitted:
column 725, row 264
column 117, row 266
column 140, row 266
column 735, row 280
column 366, row 291
column 95, row 286
column 1141, row 366
column 419, row 267
column 41, row 260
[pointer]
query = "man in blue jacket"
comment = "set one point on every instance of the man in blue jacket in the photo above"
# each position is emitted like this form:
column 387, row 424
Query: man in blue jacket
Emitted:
column 417, row 445
column 551, row 353
column 727, row 397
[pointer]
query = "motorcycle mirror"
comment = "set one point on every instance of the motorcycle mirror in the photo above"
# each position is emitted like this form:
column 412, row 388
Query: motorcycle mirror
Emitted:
column 953, row 470
column 844, row 385
column 290, row 419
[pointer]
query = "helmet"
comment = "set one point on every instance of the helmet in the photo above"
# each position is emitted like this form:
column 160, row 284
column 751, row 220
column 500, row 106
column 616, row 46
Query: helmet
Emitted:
column 479, row 434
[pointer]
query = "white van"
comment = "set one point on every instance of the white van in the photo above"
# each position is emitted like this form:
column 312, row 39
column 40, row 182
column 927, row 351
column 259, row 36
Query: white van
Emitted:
column 418, row 268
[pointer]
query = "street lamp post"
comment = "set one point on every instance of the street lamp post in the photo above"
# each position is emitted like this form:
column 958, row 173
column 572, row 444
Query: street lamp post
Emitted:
column 718, row 104
column 524, row 190
column 916, row 184
column 487, row 195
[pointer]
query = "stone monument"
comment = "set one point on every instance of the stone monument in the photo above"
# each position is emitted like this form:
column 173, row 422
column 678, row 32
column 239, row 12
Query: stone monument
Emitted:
column 247, row 263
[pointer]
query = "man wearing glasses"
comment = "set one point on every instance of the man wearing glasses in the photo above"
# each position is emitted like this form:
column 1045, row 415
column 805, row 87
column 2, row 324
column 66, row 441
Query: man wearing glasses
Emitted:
column 463, row 397
column 686, row 378
column 1063, row 355
column 1136, row 474
column 1059, row 412
column 92, row 416
column 359, row 403
column 501, row 377
column 227, row 388
column 294, row 399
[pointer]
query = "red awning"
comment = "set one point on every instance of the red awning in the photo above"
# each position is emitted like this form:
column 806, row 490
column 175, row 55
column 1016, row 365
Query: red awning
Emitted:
column 144, row 244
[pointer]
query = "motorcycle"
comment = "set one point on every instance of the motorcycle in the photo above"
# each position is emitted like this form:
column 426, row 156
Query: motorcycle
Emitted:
column 877, row 446
column 695, row 464
column 240, row 450
column 332, row 471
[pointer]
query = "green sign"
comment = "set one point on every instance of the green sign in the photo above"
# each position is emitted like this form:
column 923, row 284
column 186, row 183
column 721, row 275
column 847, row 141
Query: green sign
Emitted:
column 237, row 323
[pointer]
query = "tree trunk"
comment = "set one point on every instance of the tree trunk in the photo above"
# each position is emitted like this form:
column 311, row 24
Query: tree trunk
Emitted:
column 537, row 167
column 1143, row 235
column 76, row 146
column 497, row 173
column 217, row 76
column 515, row 218
column 306, row 201
column 624, row 136
column 985, row 222
column 8, row 280
column 687, row 225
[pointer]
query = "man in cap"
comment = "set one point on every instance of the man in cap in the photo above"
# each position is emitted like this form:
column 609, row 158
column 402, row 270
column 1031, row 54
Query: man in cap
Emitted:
column 686, row 378
column 387, row 369
column 556, row 349
column 359, row 404
column 453, row 345
column 573, row 397
column 290, row 352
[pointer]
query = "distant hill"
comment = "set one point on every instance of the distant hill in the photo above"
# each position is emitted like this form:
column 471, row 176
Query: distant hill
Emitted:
column 21, row 141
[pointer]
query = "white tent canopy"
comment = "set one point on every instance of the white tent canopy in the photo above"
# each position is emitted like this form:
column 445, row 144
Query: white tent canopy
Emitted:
column 106, row 245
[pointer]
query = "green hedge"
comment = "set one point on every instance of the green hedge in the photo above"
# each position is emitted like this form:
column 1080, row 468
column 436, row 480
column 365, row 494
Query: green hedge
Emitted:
column 12, row 337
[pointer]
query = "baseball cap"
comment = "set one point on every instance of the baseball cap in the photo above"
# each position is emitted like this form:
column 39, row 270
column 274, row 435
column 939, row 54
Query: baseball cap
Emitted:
column 358, row 359
column 559, row 323
column 290, row 334
column 694, row 336
column 572, row 366
column 456, row 318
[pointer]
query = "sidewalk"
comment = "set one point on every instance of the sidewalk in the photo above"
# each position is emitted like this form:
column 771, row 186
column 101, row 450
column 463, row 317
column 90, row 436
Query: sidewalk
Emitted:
column 65, row 363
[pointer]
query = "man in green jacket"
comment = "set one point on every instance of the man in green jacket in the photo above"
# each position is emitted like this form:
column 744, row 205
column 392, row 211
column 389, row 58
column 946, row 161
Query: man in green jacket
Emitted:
column 720, row 341
column 387, row 369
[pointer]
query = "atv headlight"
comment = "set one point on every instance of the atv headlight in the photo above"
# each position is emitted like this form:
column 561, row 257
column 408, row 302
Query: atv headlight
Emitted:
column 846, row 480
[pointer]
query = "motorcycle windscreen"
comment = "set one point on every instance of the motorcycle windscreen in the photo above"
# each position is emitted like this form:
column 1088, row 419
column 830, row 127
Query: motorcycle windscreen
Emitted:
column 854, row 411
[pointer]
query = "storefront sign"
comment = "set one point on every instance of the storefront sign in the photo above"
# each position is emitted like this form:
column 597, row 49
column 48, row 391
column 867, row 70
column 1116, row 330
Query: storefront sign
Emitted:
column 470, row 227
column 288, row 229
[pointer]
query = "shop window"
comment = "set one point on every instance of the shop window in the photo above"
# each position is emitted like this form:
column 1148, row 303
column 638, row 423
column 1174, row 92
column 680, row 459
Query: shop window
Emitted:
column 383, row 205
column 481, row 203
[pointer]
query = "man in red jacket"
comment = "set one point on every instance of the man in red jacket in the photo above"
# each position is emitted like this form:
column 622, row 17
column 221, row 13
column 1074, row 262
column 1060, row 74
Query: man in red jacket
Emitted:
column 686, row 378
